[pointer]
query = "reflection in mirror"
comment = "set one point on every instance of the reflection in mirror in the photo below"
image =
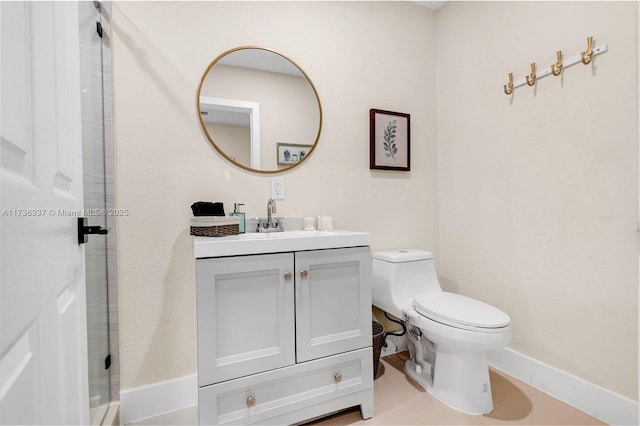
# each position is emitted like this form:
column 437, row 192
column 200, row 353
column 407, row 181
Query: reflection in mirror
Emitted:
column 236, row 126
column 252, row 99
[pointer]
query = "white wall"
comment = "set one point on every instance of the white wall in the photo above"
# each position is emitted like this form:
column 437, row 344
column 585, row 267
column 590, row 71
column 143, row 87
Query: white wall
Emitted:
column 359, row 55
column 538, row 194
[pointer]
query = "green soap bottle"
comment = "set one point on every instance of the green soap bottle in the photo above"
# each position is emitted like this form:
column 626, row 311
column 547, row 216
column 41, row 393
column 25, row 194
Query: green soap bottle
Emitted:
column 237, row 212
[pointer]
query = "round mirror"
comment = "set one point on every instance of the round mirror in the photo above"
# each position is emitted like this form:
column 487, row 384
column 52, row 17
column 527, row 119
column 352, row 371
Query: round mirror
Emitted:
column 259, row 109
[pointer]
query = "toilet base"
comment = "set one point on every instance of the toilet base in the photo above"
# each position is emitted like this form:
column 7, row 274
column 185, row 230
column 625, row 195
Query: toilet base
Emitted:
column 460, row 381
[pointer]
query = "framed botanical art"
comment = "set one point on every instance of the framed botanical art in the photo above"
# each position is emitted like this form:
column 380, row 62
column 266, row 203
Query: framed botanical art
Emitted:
column 289, row 153
column 389, row 140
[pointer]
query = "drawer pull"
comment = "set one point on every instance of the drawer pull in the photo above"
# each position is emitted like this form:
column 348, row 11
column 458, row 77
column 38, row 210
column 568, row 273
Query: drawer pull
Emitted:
column 304, row 273
column 338, row 377
column 287, row 276
column 251, row 401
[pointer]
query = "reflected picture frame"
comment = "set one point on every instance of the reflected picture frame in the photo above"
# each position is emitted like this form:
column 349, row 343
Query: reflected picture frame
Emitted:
column 291, row 153
column 390, row 140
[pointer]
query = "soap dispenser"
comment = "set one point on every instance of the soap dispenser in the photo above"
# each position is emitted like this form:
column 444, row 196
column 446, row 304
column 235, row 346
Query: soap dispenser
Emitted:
column 237, row 212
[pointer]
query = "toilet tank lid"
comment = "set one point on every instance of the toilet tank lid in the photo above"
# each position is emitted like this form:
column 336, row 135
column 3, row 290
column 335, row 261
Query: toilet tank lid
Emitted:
column 403, row 255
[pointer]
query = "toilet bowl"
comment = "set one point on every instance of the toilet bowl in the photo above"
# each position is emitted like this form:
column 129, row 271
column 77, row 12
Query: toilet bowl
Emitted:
column 448, row 334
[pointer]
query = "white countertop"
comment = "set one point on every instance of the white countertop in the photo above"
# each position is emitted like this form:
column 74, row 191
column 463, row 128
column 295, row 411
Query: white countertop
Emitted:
column 275, row 242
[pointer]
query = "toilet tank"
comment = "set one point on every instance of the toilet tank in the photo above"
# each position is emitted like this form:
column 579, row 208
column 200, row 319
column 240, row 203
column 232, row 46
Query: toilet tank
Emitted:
column 400, row 275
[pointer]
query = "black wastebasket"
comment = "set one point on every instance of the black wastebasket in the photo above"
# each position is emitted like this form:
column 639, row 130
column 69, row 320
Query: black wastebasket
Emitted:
column 378, row 343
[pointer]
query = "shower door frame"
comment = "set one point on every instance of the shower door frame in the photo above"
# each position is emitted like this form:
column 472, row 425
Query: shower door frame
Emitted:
column 103, row 99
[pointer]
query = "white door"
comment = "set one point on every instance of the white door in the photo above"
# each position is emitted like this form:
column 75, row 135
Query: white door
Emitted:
column 43, row 344
column 333, row 302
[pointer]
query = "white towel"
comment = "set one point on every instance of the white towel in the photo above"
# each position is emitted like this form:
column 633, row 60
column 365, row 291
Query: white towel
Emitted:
column 214, row 220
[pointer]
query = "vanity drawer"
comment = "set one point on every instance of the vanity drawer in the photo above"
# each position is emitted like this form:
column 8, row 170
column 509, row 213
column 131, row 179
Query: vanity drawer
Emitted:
column 264, row 396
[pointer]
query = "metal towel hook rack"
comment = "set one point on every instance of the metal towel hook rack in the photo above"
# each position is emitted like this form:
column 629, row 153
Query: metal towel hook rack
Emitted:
column 556, row 69
column 508, row 88
column 531, row 78
column 588, row 53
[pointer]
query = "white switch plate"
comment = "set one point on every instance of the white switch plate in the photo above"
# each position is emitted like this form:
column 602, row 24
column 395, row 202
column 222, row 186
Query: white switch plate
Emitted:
column 277, row 188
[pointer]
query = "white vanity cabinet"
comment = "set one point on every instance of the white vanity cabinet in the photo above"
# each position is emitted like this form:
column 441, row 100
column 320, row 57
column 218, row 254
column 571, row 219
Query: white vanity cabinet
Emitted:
column 284, row 337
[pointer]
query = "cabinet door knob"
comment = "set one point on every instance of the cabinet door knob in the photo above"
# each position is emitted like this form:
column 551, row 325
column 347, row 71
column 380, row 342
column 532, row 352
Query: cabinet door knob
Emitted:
column 251, row 401
column 287, row 275
column 304, row 273
column 338, row 377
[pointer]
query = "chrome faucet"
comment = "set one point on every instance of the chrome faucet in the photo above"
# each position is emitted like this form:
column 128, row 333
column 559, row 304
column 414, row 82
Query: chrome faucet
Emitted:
column 271, row 208
column 271, row 223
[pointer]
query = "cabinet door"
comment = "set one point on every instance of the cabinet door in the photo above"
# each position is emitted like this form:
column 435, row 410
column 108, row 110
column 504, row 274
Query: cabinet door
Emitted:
column 333, row 302
column 245, row 316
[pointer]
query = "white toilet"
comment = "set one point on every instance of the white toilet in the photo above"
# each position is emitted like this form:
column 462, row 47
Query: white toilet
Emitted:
column 448, row 334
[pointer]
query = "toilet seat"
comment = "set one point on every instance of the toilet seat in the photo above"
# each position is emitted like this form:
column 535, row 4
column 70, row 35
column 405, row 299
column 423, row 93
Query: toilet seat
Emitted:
column 460, row 311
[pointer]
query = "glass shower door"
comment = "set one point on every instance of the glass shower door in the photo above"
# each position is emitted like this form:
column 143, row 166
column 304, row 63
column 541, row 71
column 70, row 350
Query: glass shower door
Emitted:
column 95, row 196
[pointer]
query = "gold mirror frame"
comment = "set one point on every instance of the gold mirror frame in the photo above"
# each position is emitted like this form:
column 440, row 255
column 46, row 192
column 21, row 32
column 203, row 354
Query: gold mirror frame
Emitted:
column 206, row 132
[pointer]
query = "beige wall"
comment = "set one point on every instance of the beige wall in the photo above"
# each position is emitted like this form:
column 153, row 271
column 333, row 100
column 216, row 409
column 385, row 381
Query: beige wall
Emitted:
column 538, row 194
column 357, row 59
column 529, row 203
column 235, row 141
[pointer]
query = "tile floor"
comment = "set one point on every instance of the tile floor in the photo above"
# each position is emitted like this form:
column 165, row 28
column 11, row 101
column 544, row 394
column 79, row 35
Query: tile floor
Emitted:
column 400, row 401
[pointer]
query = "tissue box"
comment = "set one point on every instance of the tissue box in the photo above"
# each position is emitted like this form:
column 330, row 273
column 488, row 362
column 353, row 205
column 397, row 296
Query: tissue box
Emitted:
column 215, row 226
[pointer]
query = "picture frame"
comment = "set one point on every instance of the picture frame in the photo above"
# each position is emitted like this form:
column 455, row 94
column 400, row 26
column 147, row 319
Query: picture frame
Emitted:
column 390, row 140
column 291, row 153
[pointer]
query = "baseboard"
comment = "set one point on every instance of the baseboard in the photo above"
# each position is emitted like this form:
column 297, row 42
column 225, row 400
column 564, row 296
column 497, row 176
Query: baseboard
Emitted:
column 112, row 418
column 590, row 398
column 165, row 397
column 158, row 398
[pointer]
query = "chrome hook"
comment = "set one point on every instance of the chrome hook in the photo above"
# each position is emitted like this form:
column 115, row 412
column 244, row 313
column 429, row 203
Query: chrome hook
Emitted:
column 556, row 68
column 508, row 88
column 588, row 53
column 531, row 78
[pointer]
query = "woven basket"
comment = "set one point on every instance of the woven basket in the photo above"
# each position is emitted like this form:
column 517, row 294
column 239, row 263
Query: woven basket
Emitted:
column 215, row 231
column 215, row 226
column 378, row 342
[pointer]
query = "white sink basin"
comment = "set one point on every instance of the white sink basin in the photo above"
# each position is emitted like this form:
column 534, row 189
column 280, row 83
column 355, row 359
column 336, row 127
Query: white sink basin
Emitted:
column 274, row 242
column 286, row 234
